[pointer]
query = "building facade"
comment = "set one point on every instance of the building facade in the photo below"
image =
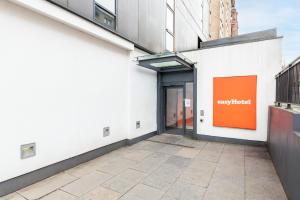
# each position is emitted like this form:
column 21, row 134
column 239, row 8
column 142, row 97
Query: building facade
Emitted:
column 155, row 25
column 72, row 89
column 223, row 19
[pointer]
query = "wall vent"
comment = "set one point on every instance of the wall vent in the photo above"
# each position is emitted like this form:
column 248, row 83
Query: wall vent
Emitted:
column 28, row 150
column 106, row 131
column 138, row 124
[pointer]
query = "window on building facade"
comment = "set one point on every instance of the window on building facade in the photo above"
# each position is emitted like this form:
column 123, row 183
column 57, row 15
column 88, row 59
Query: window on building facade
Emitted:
column 105, row 13
column 109, row 5
column 170, row 18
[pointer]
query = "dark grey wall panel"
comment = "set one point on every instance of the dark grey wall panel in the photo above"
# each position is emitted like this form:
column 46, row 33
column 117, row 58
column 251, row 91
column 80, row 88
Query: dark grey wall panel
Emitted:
column 61, row 2
column 128, row 19
column 185, row 37
column 143, row 21
column 82, row 7
column 284, row 147
column 152, row 24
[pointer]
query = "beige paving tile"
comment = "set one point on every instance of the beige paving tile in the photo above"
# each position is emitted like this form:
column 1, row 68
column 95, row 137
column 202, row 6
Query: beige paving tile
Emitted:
column 166, row 138
column 82, row 170
column 208, row 155
column 234, row 149
column 225, row 189
column 116, row 166
column 188, row 152
column 143, row 192
column 255, row 149
column 178, row 162
column 184, row 191
column 235, row 159
column 148, row 146
column 198, row 173
column 163, row 177
column 124, row 181
column 199, row 144
column 257, row 152
column 256, row 167
column 151, row 163
column 232, row 173
column 46, row 186
column 170, row 149
column 101, row 193
column 188, row 142
column 59, row 195
column 264, row 189
column 86, row 183
column 13, row 196
column 137, row 155
column 214, row 146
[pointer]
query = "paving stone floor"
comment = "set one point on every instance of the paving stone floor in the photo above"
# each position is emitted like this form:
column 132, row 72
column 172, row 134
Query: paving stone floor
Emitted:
column 166, row 167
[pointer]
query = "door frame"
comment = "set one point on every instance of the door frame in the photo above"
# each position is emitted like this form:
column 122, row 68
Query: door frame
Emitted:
column 177, row 131
column 176, row 79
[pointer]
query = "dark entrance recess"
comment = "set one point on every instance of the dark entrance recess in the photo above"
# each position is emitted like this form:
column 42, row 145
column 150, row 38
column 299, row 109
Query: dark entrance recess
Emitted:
column 177, row 102
column 176, row 92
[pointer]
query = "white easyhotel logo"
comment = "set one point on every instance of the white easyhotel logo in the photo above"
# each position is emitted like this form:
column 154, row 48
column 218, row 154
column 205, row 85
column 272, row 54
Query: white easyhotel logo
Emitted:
column 234, row 102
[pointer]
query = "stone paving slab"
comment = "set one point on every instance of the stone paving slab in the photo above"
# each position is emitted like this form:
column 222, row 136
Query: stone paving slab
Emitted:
column 124, row 181
column 46, row 186
column 86, row 183
column 184, row 191
column 61, row 195
column 13, row 196
column 143, row 192
column 100, row 193
column 166, row 167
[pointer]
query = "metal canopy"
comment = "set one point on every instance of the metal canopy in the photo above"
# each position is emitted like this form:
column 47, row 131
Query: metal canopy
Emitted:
column 167, row 62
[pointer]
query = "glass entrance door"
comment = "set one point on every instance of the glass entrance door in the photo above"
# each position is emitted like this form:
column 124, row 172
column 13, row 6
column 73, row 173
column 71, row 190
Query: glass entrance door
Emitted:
column 174, row 116
column 179, row 108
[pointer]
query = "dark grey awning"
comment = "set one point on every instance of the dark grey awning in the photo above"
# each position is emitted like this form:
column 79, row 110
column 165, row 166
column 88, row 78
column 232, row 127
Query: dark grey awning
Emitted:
column 168, row 62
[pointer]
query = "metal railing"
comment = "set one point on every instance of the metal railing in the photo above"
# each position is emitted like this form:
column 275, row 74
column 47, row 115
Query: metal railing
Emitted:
column 287, row 84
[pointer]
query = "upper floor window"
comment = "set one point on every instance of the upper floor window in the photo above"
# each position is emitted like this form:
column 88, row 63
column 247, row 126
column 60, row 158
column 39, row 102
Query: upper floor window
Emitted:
column 109, row 5
column 105, row 13
column 170, row 19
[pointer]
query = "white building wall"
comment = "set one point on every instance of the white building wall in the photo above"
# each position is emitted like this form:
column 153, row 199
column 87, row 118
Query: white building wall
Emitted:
column 258, row 58
column 60, row 87
column 142, row 98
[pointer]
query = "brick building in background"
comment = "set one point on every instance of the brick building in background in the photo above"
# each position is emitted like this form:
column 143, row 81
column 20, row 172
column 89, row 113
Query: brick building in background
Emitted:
column 223, row 19
column 234, row 20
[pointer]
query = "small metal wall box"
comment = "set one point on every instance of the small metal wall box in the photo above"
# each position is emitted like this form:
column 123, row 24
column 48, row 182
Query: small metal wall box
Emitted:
column 28, row 150
column 106, row 131
column 138, row 124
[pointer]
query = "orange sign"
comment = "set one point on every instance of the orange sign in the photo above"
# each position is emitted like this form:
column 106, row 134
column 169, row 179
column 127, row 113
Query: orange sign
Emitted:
column 235, row 102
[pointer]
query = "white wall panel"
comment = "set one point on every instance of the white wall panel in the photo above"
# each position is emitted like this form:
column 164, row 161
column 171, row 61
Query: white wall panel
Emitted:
column 60, row 87
column 259, row 58
column 142, row 98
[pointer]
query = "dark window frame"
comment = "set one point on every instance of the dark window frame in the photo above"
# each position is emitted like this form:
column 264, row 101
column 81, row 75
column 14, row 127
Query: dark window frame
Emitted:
column 107, row 13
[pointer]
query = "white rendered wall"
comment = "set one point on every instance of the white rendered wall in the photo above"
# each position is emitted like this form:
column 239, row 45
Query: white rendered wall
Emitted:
column 259, row 58
column 142, row 98
column 60, row 87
